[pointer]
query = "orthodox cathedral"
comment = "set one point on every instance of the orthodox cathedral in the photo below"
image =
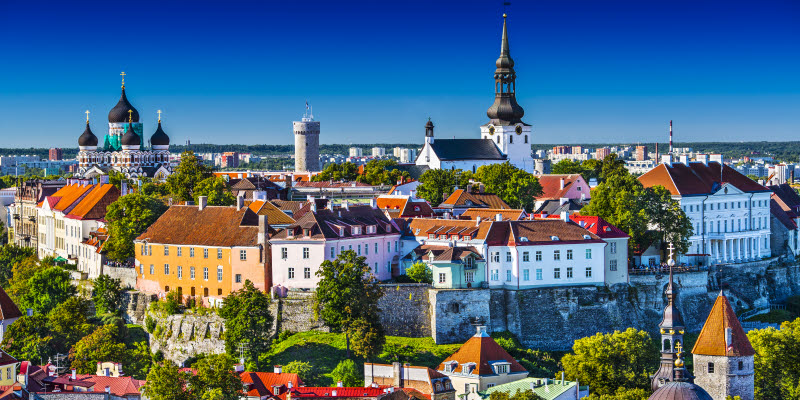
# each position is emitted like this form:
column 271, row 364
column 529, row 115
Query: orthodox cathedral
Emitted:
column 123, row 148
column 505, row 138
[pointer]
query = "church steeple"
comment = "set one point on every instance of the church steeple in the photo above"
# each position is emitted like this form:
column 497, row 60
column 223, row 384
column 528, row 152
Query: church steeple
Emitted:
column 505, row 110
column 671, row 329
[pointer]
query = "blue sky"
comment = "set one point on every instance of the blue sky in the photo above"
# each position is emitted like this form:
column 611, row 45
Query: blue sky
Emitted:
column 374, row 71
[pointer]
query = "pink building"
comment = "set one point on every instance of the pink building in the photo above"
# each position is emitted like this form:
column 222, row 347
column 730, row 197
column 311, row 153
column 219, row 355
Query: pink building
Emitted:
column 299, row 249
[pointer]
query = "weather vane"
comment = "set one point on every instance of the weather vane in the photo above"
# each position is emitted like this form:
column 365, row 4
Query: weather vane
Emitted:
column 123, row 79
column 87, row 116
column 159, row 116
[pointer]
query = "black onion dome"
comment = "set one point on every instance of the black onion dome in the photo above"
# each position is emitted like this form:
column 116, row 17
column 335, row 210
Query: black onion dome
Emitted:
column 87, row 138
column 680, row 391
column 130, row 138
column 159, row 138
column 120, row 111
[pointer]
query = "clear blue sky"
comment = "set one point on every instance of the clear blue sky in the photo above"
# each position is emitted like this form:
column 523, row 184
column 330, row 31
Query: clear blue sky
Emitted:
column 374, row 71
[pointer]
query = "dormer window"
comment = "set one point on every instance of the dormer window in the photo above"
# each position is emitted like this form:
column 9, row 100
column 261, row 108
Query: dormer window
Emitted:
column 554, row 238
column 430, row 235
column 587, row 237
column 416, row 208
column 306, row 232
column 356, row 230
column 450, row 366
column 501, row 368
column 371, row 229
column 341, row 232
column 289, row 233
column 416, row 232
column 443, row 237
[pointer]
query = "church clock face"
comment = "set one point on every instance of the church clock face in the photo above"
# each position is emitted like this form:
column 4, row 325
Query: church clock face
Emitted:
column 491, row 130
column 518, row 130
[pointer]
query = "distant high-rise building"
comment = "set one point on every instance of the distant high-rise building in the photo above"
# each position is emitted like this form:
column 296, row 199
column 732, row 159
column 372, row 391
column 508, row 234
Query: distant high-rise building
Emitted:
column 641, row 153
column 356, row 152
column 306, row 143
column 602, row 152
column 407, row 155
column 56, row 154
column 229, row 159
column 378, row 152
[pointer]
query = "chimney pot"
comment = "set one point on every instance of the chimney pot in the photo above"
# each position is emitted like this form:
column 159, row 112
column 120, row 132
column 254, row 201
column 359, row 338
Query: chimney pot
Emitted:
column 478, row 220
column 278, row 369
column 562, row 183
column 202, row 202
column 239, row 203
column 339, row 384
column 498, row 217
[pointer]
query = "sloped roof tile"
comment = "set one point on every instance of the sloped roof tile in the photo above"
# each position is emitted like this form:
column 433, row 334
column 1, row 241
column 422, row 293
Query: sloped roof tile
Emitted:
column 712, row 339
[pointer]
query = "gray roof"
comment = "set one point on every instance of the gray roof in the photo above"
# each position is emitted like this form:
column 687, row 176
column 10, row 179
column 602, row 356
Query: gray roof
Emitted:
column 415, row 171
column 466, row 149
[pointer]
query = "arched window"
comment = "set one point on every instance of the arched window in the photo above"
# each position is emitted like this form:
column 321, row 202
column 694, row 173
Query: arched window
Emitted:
column 667, row 345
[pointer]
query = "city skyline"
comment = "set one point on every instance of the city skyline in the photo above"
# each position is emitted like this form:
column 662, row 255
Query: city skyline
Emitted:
column 587, row 73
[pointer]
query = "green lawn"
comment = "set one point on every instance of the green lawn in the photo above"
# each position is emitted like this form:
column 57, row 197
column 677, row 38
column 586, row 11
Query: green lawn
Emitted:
column 774, row 317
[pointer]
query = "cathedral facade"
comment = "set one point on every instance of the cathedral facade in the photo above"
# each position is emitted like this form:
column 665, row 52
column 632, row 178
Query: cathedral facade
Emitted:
column 123, row 148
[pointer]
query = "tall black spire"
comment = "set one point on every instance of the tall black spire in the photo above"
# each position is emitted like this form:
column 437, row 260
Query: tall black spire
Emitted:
column 505, row 110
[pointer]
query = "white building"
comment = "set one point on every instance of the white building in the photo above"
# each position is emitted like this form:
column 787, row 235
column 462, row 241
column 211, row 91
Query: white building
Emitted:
column 730, row 213
column 407, row 156
column 320, row 235
column 378, row 152
column 505, row 138
column 356, row 152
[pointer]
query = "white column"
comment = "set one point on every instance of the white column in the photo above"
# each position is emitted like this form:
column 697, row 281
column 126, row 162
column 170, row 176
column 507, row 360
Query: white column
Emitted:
column 738, row 251
column 711, row 251
column 758, row 246
column 747, row 251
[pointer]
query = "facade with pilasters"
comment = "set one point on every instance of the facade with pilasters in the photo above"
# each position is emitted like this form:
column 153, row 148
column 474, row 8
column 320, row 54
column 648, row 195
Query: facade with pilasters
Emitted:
column 730, row 212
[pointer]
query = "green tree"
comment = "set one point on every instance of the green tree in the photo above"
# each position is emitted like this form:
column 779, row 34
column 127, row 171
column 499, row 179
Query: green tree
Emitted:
column 347, row 372
column 345, row 172
column 382, row 172
column 368, row 335
column 612, row 166
column 21, row 273
column 128, row 217
column 107, row 295
column 610, row 361
column 617, row 200
column 566, row 166
column 11, row 255
column 247, row 320
column 216, row 190
column 518, row 395
column 68, row 323
column 303, row 369
column 437, row 184
column 166, row 381
column 515, row 186
column 667, row 217
column 622, row 394
column 141, row 360
column 216, row 379
column 46, row 289
column 346, row 293
column 101, row 345
column 28, row 338
column 777, row 361
column 419, row 272
column 191, row 171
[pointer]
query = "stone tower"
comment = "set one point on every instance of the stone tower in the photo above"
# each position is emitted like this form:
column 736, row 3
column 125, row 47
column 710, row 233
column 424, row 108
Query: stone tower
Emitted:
column 672, row 330
column 723, row 356
column 306, row 143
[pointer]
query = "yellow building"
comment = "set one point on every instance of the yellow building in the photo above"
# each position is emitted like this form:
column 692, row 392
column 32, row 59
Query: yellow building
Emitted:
column 8, row 369
column 204, row 251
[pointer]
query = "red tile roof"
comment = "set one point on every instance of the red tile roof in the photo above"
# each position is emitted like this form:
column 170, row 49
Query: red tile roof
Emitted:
column 340, row 392
column 551, row 185
column 491, row 213
column 712, row 340
column 93, row 204
column 213, row 226
column 261, row 383
column 398, row 206
column 6, row 359
column 697, row 178
column 118, row 386
column 8, row 309
column 462, row 198
column 482, row 350
column 599, row 226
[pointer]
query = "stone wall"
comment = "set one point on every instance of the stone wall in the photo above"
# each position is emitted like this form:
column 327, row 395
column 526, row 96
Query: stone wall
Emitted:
column 127, row 276
column 451, row 310
column 134, row 306
column 182, row 336
column 406, row 310
column 295, row 313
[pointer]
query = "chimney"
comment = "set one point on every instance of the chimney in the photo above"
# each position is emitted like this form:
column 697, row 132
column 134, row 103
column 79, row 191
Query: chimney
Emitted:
column 481, row 188
column 238, row 368
column 373, row 202
column 313, row 205
column 562, row 183
column 397, row 378
column 563, row 201
column 346, row 205
column 288, row 181
column 329, row 205
column 565, row 216
column 498, row 217
column 202, row 202
column 239, row 176
column 29, row 312
column 666, row 159
column 278, row 369
column 334, row 392
column 239, row 203
column 339, row 384
column 413, row 193
column 263, row 229
column 478, row 220
column 74, row 374
column 289, row 385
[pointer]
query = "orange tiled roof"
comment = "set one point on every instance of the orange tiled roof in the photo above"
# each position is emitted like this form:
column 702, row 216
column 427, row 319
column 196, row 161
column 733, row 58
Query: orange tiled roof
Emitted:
column 697, row 178
column 261, row 383
column 69, row 194
column 482, row 350
column 491, row 213
column 462, row 198
column 712, row 340
column 93, row 205
column 213, row 226
column 274, row 215
column 551, row 185
column 424, row 226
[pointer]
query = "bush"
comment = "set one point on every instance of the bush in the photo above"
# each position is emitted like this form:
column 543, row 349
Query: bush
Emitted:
column 303, row 369
column 347, row 372
column 420, row 272
column 150, row 324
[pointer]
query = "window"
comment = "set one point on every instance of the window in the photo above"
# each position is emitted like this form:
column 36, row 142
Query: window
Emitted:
column 366, row 249
column 180, row 272
column 242, row 255
column 569, row 254
column 284, row 253
column 219, row 273
column 376, row 247
column 141, row 269
column 306, row 252
column 191, row 251
column 205, row 292
column 588, row 272
column 191, row 272
column 166, row 250
column 526, row 275
column 569, row 272
column 538, row 274
column 711, row 368
column 395, row 245
column 307, row 273
column 238, row 278
column 508, row 276
column 342, row 250
column 166, row 269
column 496, row 256
column 538, row 256
column 612, row 265
column 219, row 292
column 557, row 255
column 180, row 251
column 359, row 249
column 613, row 248
column 219, row 254
column 469, row 263
column 388, row 246
column 469, row 277
column 389, row 267
column 291, row 272
column 588, row 254
column 205, row 253
column 741, row 365
column 205, row 273
column 556, row 273
column 442, row 277
column 495, row 275
column 508, row 256
column 526, row 256
column 152, row 269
